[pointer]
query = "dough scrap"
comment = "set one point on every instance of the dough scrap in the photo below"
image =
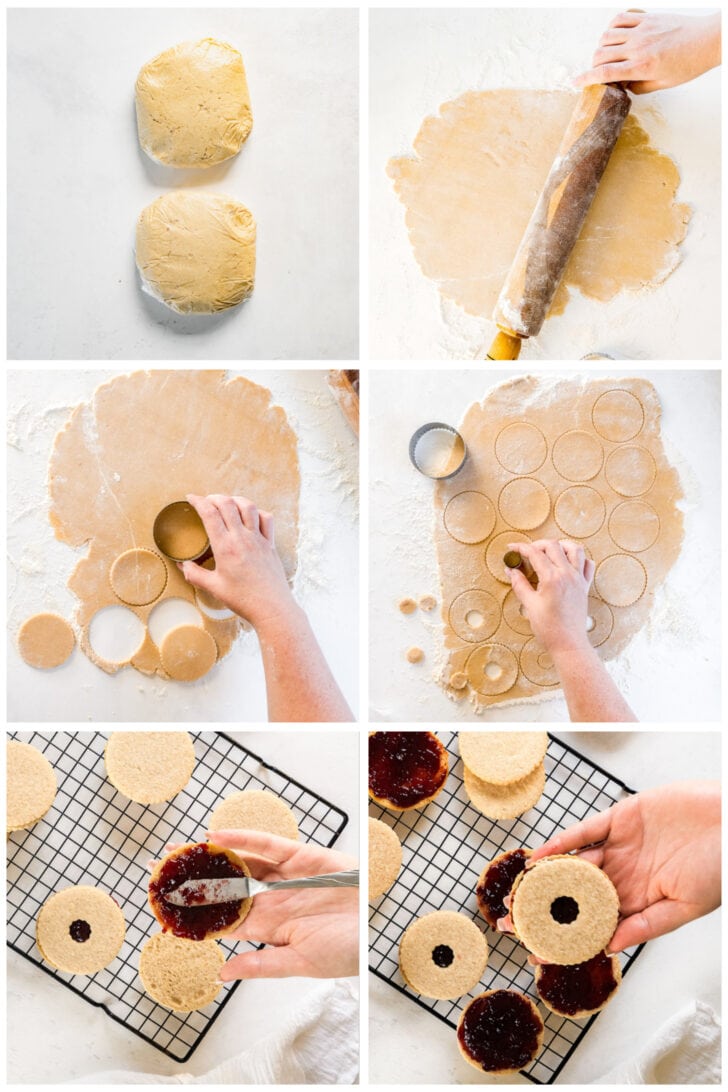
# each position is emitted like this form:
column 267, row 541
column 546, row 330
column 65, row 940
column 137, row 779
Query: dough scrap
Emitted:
column 473, row 181
column 187, row 653
column 415, row 655
column 195, row 252
column 138, row 577
column 46, row 640
column 202, row 433
column 192, row 104
column 632, row 540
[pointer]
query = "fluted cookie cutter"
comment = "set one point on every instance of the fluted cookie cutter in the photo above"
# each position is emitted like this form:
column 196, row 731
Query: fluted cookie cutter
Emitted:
column 437, row 450
column 177, row 523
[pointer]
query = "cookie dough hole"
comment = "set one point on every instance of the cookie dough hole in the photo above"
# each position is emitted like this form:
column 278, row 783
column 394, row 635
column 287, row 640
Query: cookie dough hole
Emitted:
column 589, row 623
column 564, row 910
column 493, row 671
column 116, row 634
column 474, row 619
column 442, row 955
column 79, row 930
column 170, row 614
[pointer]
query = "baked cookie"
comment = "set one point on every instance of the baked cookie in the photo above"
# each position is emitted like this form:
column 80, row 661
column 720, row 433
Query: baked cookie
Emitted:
column 505, row 801
column 149, row 767
column 406, row 769
column 580, row 989
column 80, row 930
column 254, row 809
column 180, row 974
column 500, row 758
column 46, row 640
column 443, row 955
column 31, row 785
column 385, row 858
column 564, row 909
column 496, row 882
column 500, row 1031
column 198, row 861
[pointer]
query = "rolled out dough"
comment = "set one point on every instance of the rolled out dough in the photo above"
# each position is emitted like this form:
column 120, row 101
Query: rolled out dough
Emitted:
column 633, row 542
column 475, row 178
column 147, row 439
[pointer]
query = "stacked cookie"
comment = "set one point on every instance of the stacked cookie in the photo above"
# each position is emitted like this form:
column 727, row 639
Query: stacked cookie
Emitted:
column 504, row 771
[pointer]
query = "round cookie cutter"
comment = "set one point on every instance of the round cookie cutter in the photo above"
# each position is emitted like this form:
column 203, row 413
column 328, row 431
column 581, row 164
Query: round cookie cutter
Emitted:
column 180, row 517
column 426, row 436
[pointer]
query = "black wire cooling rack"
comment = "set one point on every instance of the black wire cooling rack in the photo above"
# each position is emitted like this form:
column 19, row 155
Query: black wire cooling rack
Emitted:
column 94, row 835
column 446, row 845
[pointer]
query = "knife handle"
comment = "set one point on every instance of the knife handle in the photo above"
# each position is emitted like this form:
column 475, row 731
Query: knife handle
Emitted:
column 331, row 879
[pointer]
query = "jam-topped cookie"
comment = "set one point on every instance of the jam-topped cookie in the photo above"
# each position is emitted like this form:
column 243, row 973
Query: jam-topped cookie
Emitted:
column 406, row 769
column 496, row 881
column 199, row 861
column 500, row 1031
column 580, row 989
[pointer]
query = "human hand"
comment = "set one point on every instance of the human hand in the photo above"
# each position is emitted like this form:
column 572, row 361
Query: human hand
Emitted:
column 248, row 576
column 661, row 850
column 313, row 932
column 651, row 51
column 557, row 608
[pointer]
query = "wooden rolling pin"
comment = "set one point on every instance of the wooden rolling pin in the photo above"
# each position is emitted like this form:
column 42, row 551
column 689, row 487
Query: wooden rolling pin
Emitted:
column 554, row 227
column 344, row 385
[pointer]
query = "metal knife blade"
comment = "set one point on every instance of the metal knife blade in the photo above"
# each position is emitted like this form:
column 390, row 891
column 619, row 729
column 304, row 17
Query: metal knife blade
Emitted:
column 209, row 892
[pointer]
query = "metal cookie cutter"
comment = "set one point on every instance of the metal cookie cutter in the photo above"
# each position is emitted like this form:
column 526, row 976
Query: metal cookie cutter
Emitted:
column 437, row 450
column 179, row 525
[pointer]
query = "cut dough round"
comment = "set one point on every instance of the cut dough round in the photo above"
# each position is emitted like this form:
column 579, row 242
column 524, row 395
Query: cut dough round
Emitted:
column 475, row 615
column 192, row 104
column 634, row 525
column 46, row 640
column 577, row 456
column 492, row 669
column 138, row 577
column 196, row 251
column 524, row 503
column 496, row 549
column 187, row 653
column 501, row 758
column 469, row 517
column 521, row 448
column 631, row 471
column 620, row 580
column 537, row 664
column 618, row 416
column 513, row 615
column 505, row 801
column 602, row 621
column 580, row 511
column 254, row 809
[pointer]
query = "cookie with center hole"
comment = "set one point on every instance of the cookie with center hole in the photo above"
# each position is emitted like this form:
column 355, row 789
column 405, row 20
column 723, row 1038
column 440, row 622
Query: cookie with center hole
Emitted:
column 80, row 930
column 443, row 955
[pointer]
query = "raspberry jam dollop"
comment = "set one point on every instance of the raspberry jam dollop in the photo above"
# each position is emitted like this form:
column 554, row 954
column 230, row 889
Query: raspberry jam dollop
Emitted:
column 498, row 883
column 197, row 862
column 500, row 1030
column 80, row 930
column 406, row 768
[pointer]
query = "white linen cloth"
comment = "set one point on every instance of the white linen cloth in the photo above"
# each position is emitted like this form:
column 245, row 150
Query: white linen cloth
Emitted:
column 686, row 1050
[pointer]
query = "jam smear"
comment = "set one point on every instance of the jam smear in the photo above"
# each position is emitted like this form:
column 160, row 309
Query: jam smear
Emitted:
column 199, row 862
column 80, row 930
column 498, row 883
column 406, row 768
column 564, row 910
column 580, row 987
column 500, row 1030
column 442, row 955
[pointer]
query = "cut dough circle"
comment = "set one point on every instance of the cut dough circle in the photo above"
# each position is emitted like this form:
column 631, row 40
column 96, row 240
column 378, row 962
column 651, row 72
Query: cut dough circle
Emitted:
column 46, row 640
column 618, row 416
column 495, row 550
column 602, row 621
column 631, row 471
column 469, row 517
column 524, row 503
column 492, row 669
column 580, row 511
column 514, row 616
column 475, row 615
column 138, row 577
column 187, row 653
column 634, row 525
column 195, row 252
column 620, row 580
column 577, row 456
column 537, row 664
column 192, row 104
column 521, row 448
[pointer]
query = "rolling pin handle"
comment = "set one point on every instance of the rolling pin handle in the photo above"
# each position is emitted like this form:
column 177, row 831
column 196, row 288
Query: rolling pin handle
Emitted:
column 506, row 346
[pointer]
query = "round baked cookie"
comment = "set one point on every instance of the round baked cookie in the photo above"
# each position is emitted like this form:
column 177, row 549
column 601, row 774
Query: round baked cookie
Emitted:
column 80, row 930
column 505, row 801
column 580, row 989
column 46, row 640
column 197, row 861
column 500, row 1031
column 192, row 104
column 254, row 809
column 564, row 909
column 187, row 652
column 195, row 252
column 180, row 974
column 443, row 955
column 149, row 767
column 31, row 785
column 500, row 758
column 496, row 881
column 385, row 858
column 406, row 769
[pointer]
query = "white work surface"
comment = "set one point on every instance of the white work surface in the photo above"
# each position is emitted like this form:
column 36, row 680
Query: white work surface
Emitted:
column 79, row 1040
column 326, row 583
column 410, row 1046
column 420, row 58
column 78, row 180
column 670, row 671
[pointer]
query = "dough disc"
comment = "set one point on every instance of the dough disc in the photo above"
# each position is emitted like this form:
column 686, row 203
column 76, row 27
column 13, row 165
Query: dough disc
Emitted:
column 537, row 665
column 579, row 511
column 521, row 448
column 631, row 471
column 497, row 548
column 524, row 503
column 492, row 669
column 620, row 580
column 577, row 456
column 618, row 416
column 634, row 525
column 195, row 252
column 469, row 517
column 475, row 615
column 187, row 653
column 46, row 640
column 138, row 577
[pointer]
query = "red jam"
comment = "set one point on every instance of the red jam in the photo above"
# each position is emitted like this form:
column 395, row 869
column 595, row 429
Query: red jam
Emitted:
column 500, row 1030
column 581, row 987
column 80, row 930
column 442, row 955
column 406, row 768
column 199, row 862
column 498, row 883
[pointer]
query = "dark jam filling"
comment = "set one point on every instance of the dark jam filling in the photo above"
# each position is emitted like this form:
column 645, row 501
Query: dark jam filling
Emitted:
column 200, row 862
column 500, row 1031
column 498, row 883
column 581, row 987
column 405, row 767
column 80, row 930
column 442, row 955
column 564, row 910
